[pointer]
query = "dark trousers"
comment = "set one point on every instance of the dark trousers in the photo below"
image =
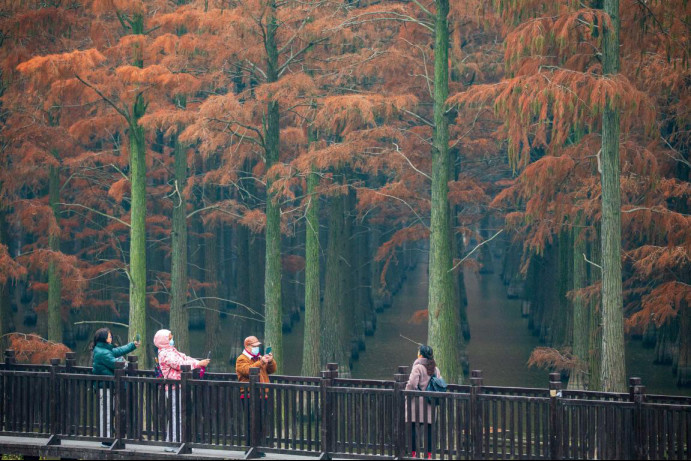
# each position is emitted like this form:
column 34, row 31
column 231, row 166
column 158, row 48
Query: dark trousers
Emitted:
column 428, row 441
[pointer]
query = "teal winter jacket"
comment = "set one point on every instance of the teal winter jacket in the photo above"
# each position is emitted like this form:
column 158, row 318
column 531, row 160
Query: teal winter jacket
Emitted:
column 105, row 357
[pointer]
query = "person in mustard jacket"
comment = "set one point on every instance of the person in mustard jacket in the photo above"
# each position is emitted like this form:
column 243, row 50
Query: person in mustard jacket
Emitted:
column 251, row 358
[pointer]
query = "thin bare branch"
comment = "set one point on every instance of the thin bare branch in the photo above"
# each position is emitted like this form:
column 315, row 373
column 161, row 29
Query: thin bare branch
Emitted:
column 474, row 250
column 105, row 215
column 105, row 98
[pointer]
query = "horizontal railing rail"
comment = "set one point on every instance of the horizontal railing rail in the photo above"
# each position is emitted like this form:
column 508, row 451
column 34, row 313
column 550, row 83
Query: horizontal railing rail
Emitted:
column 328, row 416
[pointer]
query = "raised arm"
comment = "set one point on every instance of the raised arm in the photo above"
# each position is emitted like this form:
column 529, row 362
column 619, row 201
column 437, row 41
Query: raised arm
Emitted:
column 176, row 360
column 271, row 367
column 123, row 350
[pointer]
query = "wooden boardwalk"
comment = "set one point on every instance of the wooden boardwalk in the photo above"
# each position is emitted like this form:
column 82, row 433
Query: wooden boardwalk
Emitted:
column 61, row 410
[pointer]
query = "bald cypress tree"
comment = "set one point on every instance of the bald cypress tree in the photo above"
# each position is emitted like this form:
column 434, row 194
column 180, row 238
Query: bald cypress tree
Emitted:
column 443, row 326
column 613, row 368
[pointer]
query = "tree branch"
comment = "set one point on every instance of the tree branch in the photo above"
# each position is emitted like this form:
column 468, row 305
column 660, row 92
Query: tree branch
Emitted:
column 79, row 205
column 428, row 12
column 475, row 249
column 211, row 207
column 411, row 163
column 406, row 204
column 590, row 262
column 282, row 68
column 226, row 313
column 98, row 322
column 105, row 98
column 654, row 210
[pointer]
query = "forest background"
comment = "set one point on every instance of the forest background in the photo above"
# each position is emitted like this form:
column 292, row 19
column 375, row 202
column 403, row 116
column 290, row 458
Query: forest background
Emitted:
column 177, row 162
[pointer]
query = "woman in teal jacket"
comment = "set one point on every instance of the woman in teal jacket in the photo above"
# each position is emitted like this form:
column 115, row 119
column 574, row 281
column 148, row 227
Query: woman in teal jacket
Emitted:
column 104, row 359
column 106, row 355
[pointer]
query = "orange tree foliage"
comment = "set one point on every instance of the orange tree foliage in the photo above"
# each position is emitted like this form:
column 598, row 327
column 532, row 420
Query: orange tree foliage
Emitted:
column 33, row 143
column 356, row 100
column 93, row 90
column 551, row 102
column 34, row 349
column 553, row 359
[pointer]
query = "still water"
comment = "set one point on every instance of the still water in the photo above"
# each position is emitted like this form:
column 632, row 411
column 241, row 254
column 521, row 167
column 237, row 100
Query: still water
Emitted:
column 500, row 343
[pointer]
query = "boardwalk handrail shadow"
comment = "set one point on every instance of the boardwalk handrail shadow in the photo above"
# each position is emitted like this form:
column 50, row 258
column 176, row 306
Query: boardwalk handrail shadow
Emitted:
column 330, row 416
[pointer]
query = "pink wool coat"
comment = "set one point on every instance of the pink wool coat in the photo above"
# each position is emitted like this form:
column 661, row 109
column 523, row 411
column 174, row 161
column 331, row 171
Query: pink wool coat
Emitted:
column 418, row 381
column 170, row 359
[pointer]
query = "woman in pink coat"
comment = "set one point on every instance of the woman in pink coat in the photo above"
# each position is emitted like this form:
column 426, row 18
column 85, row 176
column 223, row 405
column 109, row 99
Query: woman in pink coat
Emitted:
column 171, row 361
column 421, row 414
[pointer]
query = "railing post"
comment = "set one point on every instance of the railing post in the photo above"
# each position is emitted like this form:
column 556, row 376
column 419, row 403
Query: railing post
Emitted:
column 475, row 414
column 8, row 384
column 53, row 397
column 185, row 409
column 131, row 419
column 327, row 432
column 70, row 361
column 132, row 365
column 555, row 426
column 10, row 357
column 120, row 403
column 633, row 382
column 637, row 396
column 400, row 381
column 254, row 409
column 185, row 404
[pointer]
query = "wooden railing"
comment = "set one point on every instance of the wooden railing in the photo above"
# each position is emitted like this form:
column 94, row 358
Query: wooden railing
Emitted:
column 334, row 417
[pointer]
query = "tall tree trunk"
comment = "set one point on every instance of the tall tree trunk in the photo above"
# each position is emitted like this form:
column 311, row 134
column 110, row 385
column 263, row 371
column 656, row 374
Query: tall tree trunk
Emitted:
column 311, row 363
column 613, row 366
column 684, row 359
column 273, row 312
column 242, row 274
column 137, row 269
column 351, row 278
column 335, row 334
column 595, row 321
column 443, row 326
column 581, row 333
column 375, row 270
column 562, row 319
column 5, row 304
column 257, row 258
column 179, row 315
column 195, row 245
column 211, row 292
column 363, row 282
column 54, row 282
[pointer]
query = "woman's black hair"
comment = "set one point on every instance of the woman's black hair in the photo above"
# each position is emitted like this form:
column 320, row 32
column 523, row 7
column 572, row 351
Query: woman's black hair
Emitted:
column 427, row 353
column 101, row 336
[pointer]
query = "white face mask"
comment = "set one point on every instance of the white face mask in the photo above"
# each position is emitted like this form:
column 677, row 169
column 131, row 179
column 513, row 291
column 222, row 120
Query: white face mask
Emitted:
column 255, row 351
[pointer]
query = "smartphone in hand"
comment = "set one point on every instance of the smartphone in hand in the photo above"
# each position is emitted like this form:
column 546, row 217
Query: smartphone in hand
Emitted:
column 268, row 351
column 208, row 356
column 138, row 338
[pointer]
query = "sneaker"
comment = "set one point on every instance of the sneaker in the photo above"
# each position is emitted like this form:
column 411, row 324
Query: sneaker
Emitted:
column 106, row 444
column 413, row 454
column 429, row 455
column 169, row 450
